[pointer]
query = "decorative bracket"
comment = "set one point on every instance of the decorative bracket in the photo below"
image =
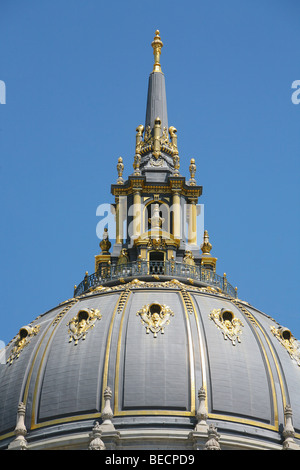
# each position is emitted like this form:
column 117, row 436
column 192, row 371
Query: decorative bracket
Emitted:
column 23, row 339
column 84, row 320
column 155, row 317
column 228, row 324
column 288, row 341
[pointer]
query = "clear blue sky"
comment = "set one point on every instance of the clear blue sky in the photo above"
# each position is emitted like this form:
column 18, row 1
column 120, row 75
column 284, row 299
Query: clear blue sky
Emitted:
column 76, row 75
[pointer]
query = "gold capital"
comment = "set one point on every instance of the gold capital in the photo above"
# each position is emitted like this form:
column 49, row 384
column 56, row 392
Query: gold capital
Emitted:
column 157, row 45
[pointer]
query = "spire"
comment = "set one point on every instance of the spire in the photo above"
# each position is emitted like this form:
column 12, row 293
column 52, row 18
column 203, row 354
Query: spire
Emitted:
column 156, row 100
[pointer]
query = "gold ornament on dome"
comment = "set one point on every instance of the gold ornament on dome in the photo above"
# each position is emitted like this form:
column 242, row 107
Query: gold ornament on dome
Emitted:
column 23, row 339
column 229, row 325
column 123, row 257
column 120, row 169
column 155, row 317
column 157, row 45
column 172, row 284
column 206, row 245
column 161, row 141
column 192, row 168
column 189, row 258
column 82, row 323
column 157, row 243
column 288, row 341
column 105, row 244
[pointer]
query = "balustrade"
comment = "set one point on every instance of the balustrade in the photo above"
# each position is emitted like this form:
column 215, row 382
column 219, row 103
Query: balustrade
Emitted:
column 161, row 268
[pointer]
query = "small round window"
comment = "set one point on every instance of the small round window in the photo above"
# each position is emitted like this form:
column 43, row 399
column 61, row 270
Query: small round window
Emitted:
column 227, row 315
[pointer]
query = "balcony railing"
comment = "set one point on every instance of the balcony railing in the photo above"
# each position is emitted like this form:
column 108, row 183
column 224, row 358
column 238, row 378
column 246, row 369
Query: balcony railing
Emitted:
column 170, row 268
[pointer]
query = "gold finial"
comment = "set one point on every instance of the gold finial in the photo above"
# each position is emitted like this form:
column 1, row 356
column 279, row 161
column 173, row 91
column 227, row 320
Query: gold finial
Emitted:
column 206, row 246
column 120, row 168
column 192, row 169
column 105, row 243
column 157, row 45
column 173, row 135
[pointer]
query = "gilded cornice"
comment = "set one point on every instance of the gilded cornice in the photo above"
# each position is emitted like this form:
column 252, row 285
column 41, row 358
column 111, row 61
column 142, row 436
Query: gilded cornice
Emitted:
column 173, row 184
column 139, row 284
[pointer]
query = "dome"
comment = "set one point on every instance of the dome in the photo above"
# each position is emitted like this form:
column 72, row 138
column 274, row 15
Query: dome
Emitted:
column 155, row 350
column 109, row 338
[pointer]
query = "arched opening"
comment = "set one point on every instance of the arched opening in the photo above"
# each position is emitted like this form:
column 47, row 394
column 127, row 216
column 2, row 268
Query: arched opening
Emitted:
column 82, row 315
column 23, row 333
column 286, row 334
column 155, row 308
column 156, row 262
column 227, row 315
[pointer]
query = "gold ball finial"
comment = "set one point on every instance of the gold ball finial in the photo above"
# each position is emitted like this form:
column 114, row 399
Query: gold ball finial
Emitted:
column 157, row 45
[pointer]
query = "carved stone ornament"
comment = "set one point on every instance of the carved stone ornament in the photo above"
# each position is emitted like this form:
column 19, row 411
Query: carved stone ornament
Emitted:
column 228, row 324
column 289, row 432
column 201, row 413
column 213, row 439
column 23, row 339
column 288, row 341
column 155, row 317
column 20, row 443
column 96, row 442
column 82, row 323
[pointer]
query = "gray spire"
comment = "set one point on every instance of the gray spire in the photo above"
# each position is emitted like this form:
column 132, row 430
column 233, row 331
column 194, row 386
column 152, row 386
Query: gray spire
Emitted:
column 156, row 100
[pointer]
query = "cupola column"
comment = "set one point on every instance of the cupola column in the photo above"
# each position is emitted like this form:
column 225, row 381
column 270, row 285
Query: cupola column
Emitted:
column 137, row 213
column 192, row 222
column 176, row 215
column 119, row 221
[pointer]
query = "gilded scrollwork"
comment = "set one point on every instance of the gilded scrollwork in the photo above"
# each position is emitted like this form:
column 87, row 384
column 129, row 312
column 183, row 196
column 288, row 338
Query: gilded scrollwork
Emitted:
column 158, row 163
column 229, row 325
column 123, row 257
column 22, row 340
column 147, row 135
column 82, row 323
column 138, row 284
column 155, row 317
column 288, row 341
column 156, row 243
column 189, row 258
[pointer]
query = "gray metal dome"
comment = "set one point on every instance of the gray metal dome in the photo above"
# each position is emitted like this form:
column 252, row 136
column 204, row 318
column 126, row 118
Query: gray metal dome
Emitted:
column 154, row 371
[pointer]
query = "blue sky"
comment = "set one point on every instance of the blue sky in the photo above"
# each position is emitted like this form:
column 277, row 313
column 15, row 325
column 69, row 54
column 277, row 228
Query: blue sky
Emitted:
column 76, row 75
